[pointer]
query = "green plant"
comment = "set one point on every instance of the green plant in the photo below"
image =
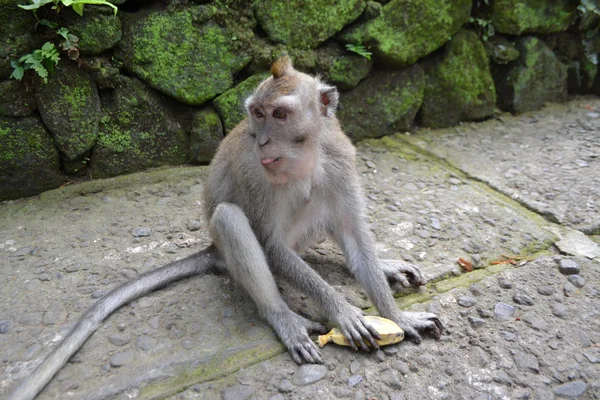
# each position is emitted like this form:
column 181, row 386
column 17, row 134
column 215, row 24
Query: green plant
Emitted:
column 77, row 5
column 41, row 61
column 588, row 6
column 360, row 50
column 484, row 26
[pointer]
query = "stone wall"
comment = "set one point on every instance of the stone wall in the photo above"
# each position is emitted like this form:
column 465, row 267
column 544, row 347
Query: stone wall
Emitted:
column 161, row 82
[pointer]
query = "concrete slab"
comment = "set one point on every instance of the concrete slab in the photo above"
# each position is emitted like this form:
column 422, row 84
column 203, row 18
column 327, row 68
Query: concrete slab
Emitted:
column 548, row 159
column 61, row 251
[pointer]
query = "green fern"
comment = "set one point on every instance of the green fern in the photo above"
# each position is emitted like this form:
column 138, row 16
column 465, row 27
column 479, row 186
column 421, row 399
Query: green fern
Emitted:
column 42, row 61
column 77, row 5
column 360, row 50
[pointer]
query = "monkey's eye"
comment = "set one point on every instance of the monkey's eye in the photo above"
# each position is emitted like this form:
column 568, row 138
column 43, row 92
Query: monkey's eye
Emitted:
column 279, row 114
column 258, row 113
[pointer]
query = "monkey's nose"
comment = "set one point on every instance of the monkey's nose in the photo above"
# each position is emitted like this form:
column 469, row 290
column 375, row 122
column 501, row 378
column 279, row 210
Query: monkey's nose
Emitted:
column 263, row 141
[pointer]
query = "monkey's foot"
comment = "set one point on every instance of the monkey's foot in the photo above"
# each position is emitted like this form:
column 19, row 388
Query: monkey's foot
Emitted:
column 416, row 323
column 355, row 328
column 293, row 330
column 401, row 274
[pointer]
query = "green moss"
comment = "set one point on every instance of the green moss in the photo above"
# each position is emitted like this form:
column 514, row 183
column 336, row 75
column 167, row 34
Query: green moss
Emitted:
column 519, row 16
column 459, row 84
column 305, row 24
column 97, row 31
column 408, row 30
column 29, row 162
column 230, row 105
column 188, row 62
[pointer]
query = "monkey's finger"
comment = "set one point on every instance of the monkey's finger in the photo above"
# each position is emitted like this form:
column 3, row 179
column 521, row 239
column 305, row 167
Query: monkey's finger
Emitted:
column 358, row 337
column 314, row 352
column 411, row 334
column 372, row 331
column 436, row 330
column 401, row 279
column 306, row 354
column 297, row 359
column 317, row 327
column 347, row 335
column 368, row 335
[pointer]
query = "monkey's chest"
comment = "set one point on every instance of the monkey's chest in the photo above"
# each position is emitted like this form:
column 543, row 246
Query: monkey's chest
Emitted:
column 306, row 224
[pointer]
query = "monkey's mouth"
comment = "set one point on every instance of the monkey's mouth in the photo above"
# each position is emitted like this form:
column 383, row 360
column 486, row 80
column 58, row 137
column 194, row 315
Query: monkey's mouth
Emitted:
column 270, row 161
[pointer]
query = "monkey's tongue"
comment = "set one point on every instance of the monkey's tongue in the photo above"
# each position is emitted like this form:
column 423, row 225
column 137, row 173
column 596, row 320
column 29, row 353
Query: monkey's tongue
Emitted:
column 267, row 161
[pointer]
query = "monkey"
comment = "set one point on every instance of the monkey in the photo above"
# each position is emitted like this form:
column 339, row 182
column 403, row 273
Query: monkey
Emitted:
column 282, row 178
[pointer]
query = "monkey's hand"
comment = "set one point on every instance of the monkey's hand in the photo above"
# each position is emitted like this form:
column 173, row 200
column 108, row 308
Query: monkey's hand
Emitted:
column 355, row 328
column 293, row 330
column 416, row 323
column 401, row 274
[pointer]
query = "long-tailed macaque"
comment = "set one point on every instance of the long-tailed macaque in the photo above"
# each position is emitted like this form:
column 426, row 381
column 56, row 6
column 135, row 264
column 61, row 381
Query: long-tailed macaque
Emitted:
column 282, row 178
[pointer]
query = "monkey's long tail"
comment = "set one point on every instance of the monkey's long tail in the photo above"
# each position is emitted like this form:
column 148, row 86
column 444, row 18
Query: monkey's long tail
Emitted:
column 196, row 264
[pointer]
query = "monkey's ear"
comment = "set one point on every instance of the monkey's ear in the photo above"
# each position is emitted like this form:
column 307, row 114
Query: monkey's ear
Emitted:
column 328, row 96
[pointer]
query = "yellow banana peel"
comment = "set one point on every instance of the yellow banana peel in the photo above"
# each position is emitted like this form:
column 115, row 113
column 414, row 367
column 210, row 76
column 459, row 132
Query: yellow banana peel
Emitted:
column 389, row 331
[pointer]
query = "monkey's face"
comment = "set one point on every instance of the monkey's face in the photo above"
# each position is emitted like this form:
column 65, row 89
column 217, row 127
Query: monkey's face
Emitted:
column 284, row 133
column 287, row 114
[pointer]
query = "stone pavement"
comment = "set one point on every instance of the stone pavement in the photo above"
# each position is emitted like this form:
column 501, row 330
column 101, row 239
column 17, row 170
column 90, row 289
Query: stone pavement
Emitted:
column 516, row 196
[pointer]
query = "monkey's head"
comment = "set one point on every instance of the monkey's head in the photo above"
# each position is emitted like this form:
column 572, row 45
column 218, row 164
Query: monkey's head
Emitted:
column 287, row 114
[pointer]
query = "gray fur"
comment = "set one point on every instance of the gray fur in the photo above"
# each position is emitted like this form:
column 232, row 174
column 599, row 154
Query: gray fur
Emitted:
column 275, row 186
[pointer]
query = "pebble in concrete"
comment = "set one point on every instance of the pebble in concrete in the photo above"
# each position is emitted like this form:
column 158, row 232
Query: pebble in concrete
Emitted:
column 570, row 289
column 308, row 374
column 120, row 359
column 141, row 232
column 577, row 280
column 503, row 311
column 285, row 386
column 568, row 266
column 522, row 299
column 559, row 310
column 571, row 390
column 354, row 380
column 237, row 392
column 467, row 301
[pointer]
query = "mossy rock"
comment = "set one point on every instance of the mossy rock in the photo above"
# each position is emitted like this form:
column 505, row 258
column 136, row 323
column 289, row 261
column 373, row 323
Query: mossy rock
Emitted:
column 17, row 27
column 70, row 108
column 188, row 61
column 341, row 67
column 458, row 83
column 535, row 78
column 16, row 99
column 230, row 105
column 98, row 30
column 384, row 103
column 205, row 136
column 501, row 50
column 264, row 53
column 408, row 30
column 515, row 17
column 578, row 55
column 29, row 162
column 305, row 24
column 137, row 131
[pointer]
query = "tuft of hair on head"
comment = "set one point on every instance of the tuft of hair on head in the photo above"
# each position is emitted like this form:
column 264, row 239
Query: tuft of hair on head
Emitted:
column 281, row 67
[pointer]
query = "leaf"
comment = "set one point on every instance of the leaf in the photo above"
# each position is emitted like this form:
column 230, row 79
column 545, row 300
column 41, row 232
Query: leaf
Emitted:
column 49, row 24
column 36, row 4
column 78, row 8
column 467, row 265
column 47, row 47
column 64, row 32
column 18, row 73
column 96, row 2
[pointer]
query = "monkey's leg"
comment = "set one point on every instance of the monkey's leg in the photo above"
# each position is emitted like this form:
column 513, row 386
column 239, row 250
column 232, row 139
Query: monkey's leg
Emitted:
column 359, row 248
column 247, row 266
column 350, row 319
column 402, row 274
column 199, row 263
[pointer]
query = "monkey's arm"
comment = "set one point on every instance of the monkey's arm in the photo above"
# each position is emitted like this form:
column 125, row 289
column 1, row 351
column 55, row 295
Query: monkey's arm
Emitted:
column 350, row 319
column 247, row 266
column 358, row 246
column 199, row 263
